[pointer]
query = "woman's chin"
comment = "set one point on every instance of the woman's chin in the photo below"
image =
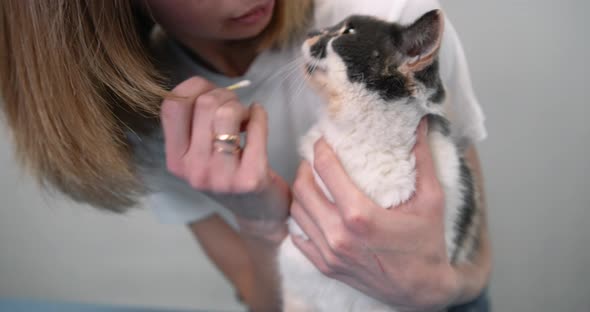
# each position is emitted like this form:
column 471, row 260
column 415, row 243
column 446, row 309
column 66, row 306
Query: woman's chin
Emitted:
column 245, row 33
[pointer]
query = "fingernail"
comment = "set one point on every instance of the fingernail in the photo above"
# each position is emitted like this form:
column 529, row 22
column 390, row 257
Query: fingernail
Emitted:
column 320, row 143
column 300, row 237
column 424, row 126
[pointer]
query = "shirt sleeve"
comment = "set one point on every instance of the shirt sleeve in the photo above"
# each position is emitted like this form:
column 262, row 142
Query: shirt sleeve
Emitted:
column 461, row 106
column 173, row 201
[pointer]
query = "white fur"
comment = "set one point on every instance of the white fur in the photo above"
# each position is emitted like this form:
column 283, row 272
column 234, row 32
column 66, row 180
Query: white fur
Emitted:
column 374, row 142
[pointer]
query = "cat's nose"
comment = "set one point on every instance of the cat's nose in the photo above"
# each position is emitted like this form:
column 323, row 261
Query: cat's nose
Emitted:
column 317, row 46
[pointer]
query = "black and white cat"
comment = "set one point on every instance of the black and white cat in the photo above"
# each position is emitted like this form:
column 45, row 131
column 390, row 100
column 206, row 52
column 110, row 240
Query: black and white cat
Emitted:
column 380, row 79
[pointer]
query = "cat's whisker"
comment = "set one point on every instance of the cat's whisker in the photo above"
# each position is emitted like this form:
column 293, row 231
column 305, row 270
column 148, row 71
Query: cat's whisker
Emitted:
column 283, row 75
column 300, row 87
column 295, row 62
column 300, row 75
column 298, row 61
column 300, row 83
column 294, row 72
column 307, row 77
column 310, row 68
column 287, row 70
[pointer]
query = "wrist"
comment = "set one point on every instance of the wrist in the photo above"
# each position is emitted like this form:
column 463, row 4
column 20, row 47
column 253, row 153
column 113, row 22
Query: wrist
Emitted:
column 438, row 292
column 471, row 281
column 268, row 232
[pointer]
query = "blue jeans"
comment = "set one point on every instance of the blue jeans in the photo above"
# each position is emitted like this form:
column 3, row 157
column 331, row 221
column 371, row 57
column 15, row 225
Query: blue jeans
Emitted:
column 480, row 304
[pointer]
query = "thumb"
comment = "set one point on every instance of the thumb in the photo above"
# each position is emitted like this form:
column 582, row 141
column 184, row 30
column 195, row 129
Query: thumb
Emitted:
column 427, row 183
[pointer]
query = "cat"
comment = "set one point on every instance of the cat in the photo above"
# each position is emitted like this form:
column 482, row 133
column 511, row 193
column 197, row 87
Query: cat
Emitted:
column 379, row 80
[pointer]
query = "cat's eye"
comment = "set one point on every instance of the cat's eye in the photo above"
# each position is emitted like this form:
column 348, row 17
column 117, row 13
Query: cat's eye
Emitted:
column 348, row 30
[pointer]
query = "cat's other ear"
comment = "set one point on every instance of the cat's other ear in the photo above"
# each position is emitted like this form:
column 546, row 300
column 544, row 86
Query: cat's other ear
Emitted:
column 421, row 41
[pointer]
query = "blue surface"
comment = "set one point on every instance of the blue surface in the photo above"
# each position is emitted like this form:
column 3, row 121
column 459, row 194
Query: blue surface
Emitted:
column 25, row 305
column 481, row 304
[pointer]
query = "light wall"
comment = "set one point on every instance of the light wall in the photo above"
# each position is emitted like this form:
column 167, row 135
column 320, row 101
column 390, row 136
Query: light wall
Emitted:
column 529, row 61
column 529, row 64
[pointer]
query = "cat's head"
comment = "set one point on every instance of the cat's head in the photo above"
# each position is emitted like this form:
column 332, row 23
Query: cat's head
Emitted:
column 386, row 59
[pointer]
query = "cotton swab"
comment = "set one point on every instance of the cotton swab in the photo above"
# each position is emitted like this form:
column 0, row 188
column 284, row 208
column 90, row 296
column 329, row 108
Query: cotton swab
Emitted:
column 239, row 85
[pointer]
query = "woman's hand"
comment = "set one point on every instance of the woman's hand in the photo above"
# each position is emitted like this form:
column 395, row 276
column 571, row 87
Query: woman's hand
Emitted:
column 396, row 255
column 194, row 119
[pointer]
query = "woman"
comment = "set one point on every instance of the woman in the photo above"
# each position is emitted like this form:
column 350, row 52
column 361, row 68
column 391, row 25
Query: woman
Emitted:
column 83, row 82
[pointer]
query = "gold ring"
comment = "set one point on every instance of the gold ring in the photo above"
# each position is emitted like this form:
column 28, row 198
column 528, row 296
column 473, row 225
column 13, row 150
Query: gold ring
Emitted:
column 227, row 143
column 231, row 139
column 226, row 150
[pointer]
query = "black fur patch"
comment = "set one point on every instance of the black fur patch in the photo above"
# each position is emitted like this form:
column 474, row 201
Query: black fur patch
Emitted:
column 373, row 53
column 318, row 50
column 431, row 79
column 378, row 71
column 439, row 124
column 467, row 210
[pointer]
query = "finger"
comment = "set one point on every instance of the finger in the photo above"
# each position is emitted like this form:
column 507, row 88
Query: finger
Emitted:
column 225, row 157
column 427, row 183
column 309, row 227
column 429, row 196
column 426, row 178
column 313, row 201
column 202, row 128
column 254, row 162
column 312, row 253
column 176, row 116
column 347, row 196
column 326, row 230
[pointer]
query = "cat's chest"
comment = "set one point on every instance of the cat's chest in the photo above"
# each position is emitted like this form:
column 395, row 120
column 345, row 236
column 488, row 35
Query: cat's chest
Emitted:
column 384, row 173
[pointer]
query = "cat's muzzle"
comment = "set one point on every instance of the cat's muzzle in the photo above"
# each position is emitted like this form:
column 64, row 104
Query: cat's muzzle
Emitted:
column 312, row 68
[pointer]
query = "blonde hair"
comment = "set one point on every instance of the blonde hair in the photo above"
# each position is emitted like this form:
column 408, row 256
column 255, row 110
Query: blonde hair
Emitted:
column 75, row 77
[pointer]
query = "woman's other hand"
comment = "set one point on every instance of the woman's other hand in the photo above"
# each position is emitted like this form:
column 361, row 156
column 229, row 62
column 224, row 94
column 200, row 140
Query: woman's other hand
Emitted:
column 396, row 255
column 194, row 119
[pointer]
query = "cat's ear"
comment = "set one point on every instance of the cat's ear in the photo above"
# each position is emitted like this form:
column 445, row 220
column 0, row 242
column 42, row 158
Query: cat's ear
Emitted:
column 421, row 41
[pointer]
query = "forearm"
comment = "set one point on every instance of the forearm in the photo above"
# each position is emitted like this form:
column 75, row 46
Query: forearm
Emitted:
column 262, row 251
column 474, row 276
column 244, row 259
column 262, row 235
column 220, row 242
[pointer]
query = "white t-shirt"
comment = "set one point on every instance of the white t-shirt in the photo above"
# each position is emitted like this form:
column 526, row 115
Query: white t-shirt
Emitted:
column 291, row 104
